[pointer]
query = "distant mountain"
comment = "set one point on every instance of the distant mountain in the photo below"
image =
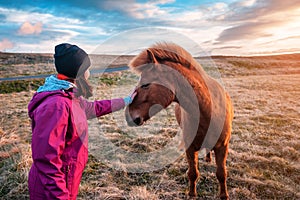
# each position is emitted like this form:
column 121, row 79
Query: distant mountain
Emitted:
column 111, row 60
column 100, row 61
column 294, row 56
column 25, row 58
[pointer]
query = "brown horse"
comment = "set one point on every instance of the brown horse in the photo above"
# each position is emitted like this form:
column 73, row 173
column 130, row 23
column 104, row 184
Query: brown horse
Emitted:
column 204, row 110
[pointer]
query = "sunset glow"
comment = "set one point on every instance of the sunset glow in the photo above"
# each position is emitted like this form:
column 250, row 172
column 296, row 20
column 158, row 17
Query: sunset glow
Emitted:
column 228, row 27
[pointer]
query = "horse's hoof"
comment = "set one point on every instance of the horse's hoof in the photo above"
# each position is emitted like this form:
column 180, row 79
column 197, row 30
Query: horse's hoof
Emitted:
column 224, row 197
column 192, row 194
column 191, row 198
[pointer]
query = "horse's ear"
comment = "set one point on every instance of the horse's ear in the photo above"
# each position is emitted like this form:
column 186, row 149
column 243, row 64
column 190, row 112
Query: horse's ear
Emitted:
column 151, row 56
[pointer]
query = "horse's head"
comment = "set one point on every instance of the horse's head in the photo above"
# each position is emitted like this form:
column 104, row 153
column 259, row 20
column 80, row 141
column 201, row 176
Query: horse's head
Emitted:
column 154, row 92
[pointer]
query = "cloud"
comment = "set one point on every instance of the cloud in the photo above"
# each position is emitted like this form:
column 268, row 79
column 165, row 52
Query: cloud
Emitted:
column 132, row 41
column 256, row 19
column 249, row 30
column 249, row 10
column 294, row 38
column 246, row 3
column 228, row 47
column 249, row 24
column 19, row 16
column 6, row 44
column 137, row 10
column 219, row 6
column 28, row 29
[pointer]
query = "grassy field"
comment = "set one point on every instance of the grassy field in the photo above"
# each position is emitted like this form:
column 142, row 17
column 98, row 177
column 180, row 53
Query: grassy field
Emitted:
column 264, row 156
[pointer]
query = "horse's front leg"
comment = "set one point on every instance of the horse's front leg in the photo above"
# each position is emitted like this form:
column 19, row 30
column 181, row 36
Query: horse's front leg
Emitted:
column 193, row 172
column 221, row 155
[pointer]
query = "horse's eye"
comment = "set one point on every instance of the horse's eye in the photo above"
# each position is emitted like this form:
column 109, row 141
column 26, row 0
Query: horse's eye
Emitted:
column 145, row 85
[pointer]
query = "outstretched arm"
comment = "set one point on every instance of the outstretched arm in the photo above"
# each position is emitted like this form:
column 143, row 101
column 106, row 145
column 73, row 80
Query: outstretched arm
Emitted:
column 103, row 107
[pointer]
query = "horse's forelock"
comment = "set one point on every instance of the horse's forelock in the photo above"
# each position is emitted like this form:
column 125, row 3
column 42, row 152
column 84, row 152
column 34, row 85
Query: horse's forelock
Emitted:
column 137, row 63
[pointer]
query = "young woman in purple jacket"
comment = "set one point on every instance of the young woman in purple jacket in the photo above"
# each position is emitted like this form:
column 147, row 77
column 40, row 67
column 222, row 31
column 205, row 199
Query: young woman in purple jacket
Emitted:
column 59, row 112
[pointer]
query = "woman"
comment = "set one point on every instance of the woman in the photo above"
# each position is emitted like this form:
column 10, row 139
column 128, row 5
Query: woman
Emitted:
column 59, row 113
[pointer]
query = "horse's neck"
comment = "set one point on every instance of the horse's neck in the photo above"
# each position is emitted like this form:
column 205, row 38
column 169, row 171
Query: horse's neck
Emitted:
column 194, row 93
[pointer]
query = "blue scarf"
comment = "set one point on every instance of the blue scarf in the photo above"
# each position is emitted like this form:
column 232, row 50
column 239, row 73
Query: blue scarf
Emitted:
column 53, row 83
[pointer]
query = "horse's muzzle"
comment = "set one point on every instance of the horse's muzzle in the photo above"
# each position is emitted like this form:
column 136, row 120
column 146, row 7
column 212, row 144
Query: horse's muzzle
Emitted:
column 133, row 121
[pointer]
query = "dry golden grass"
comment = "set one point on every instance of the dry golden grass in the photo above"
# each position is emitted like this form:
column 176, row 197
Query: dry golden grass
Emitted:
column 263, row 161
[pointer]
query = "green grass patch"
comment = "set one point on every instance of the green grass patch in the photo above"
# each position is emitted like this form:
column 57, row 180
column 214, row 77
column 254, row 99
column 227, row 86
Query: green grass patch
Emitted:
column 246, row 64
column 34, row 84
column 20, row 85
column 106, row 79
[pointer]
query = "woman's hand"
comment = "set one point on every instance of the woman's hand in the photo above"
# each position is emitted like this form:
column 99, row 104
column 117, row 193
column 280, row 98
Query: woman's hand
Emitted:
column 130, row 98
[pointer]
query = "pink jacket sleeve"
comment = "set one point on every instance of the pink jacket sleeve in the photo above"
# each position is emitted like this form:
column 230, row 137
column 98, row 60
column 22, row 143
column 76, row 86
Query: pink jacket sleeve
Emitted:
column 48, row 143
column 102, row 107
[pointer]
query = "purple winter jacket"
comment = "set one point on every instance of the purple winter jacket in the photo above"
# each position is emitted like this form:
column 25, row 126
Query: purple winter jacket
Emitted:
column 60, row 141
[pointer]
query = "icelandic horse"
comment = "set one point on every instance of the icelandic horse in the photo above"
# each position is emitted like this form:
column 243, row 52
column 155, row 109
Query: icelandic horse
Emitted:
column 168, row 73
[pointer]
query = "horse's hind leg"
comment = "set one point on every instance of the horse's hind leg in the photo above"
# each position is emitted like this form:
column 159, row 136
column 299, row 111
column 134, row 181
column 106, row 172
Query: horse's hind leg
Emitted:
column 221, row 156
column 193, row 172
column 208, row 156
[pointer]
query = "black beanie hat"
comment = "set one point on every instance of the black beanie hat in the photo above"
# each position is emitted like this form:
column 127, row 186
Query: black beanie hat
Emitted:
column 70, row 60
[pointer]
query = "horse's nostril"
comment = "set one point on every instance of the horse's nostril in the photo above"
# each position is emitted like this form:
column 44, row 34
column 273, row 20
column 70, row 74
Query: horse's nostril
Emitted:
column 137, row 121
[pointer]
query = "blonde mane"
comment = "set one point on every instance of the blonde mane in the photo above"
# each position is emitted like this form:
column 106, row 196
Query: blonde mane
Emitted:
column 163, row 52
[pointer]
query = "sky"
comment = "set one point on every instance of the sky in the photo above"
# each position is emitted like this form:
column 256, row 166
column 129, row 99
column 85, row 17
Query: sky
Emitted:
column 225, row 27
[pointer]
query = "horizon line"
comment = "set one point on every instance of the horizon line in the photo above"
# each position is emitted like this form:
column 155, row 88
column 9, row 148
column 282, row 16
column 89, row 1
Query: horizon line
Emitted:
column 195, row 56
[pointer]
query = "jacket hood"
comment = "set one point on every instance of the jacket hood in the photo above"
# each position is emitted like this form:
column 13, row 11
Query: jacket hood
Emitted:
column 52, row 83
column 39, row 97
